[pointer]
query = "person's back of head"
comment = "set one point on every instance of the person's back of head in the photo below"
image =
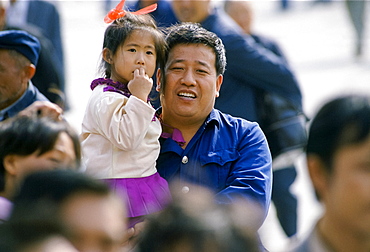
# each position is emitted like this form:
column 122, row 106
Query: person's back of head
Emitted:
column 194, row 222
column 91, row 215
column 342, row 121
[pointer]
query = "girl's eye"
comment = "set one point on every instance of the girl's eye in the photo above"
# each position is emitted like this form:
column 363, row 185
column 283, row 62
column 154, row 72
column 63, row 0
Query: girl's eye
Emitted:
column 149, row 52
column 132, row 50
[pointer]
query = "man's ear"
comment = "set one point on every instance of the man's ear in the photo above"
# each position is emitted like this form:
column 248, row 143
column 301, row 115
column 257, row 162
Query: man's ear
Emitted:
column 30, row 71
column 10, row 164
column 158, row 75
column 107, row 55
column 26, row 73
column 318, row 174
column 218, row 84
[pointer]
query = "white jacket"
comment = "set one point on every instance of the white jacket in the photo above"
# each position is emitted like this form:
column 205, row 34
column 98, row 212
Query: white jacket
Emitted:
column 119, row 136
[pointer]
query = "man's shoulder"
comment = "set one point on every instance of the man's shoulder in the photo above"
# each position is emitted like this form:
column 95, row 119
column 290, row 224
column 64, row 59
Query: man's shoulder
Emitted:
column 229, row 120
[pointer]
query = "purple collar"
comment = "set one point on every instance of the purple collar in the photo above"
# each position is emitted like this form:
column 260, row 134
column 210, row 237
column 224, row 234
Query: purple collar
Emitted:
column 176, row 136
column 111, row 86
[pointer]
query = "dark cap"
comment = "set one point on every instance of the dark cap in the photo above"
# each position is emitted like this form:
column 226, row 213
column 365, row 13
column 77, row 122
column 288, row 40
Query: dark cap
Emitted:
column 22, row 42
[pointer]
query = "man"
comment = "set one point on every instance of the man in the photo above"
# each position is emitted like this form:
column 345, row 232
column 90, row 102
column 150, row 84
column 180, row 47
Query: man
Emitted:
column 19, row 52
column 338, row 161
column 200, row 144
column 284, row 150
column 49, row 77
column 250, row 67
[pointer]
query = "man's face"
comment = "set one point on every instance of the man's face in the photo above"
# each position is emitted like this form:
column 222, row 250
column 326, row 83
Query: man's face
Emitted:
column 241, row 12
column 195, row 11
column 346, row 194
column 192, row 83
column 12, row 79
column 95, row 222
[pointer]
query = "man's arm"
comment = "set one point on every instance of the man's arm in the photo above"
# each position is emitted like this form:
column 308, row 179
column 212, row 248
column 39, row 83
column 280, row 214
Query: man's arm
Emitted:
column 250, row 175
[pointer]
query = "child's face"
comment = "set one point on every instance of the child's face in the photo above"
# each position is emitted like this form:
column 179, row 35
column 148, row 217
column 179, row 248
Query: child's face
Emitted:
column 138, row 51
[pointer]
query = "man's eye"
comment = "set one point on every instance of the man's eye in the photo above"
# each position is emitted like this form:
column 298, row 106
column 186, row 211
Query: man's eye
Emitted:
column 176, row 68
column 202, row 71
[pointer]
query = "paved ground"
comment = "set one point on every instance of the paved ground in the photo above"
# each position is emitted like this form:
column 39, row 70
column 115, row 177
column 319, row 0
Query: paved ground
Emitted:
column 318, row 41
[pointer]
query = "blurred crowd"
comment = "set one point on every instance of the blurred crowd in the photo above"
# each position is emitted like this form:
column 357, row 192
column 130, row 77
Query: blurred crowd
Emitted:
column 193, row 128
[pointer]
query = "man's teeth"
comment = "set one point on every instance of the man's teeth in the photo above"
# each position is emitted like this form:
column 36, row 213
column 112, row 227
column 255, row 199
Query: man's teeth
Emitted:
column 187, row 95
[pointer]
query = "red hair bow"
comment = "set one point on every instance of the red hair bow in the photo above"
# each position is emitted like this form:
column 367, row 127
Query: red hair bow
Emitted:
column 118, row 12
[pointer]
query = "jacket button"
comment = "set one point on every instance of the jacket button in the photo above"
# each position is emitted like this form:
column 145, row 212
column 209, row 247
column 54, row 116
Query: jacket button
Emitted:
column 185, row 160
column 185, row 189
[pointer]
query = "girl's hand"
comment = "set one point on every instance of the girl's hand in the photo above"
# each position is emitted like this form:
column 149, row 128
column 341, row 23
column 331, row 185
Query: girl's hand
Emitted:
column 141, row 85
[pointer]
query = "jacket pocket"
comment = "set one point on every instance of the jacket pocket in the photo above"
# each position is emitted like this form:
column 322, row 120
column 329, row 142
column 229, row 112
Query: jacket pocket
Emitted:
column 219, row 157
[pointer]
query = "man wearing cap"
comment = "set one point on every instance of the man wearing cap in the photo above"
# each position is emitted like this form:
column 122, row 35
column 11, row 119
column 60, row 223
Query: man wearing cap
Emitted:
column 19, row 52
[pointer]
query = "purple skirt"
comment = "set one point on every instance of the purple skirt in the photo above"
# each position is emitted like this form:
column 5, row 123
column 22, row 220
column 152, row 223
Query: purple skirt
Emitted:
column 143, row 196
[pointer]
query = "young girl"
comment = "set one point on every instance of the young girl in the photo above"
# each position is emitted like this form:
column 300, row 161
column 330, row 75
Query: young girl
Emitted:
column 120, row 131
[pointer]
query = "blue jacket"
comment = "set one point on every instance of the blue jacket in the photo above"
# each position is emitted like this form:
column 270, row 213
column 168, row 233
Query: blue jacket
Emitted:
column 163, row 15
column 228, row 155
column 31, row 95
column 250, row 68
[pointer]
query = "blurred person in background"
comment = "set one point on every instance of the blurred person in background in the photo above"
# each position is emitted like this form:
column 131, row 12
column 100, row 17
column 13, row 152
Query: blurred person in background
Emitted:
column 19, row 54
column 34, row 229
column 49, row 77
column 23, row 13
column 29, row 144
column 284, row 170
column 163, row 15
column 338, row 162
column 91, row 215
column 357, row 14
column 194, row 223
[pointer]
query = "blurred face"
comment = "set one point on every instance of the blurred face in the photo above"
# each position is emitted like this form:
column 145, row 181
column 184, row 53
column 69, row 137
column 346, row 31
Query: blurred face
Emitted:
column 52, row 244
column 138, row 51
column 195, row 11
column 61, row 156
column 347, row 192
column 96, row 222
column 241, row 12
column 192, row 83
column 13, row 79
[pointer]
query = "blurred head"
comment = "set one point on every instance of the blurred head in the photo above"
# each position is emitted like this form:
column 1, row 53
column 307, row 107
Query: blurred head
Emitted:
column 193, row 222
column 30, row 144
column 191, row 75
column 130, row 42
column 338, row 159
column 93, row 217
column 195, row 11
column 241, row 12
column 33, row 228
